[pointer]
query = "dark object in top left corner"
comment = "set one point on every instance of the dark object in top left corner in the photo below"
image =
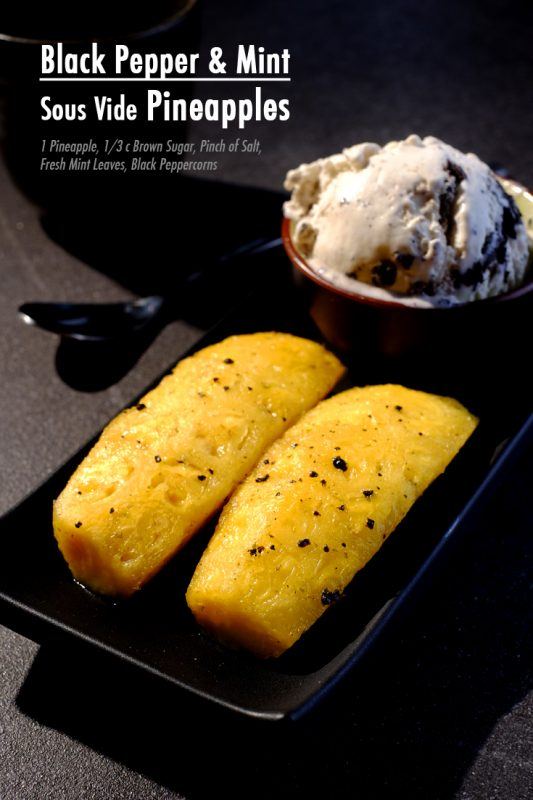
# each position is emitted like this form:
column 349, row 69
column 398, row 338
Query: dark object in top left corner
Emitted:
column 160, row 26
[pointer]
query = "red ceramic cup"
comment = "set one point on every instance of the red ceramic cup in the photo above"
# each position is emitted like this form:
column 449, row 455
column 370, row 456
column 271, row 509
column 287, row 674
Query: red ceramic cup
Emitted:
column 357, row 323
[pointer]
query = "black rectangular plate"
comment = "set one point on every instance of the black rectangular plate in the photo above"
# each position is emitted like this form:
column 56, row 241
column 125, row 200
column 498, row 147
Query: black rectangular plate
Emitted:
column 155, row 630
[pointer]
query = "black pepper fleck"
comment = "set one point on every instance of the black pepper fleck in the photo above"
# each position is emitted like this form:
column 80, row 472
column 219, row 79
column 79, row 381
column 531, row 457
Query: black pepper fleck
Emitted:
column 326, row 549
column 140, row 406
column 263, row 479
column 370, row 523
column 343, row 544
column 313, row 474
column 368, row 492
column 111, row 510
column 398, row 408
column 316, row 513
column 329, row 597
column 272, row 546
column 340, row 463
column 226, row 388
column 323, row 481
column 201, row 477
column 78, row 525
column 157, row 459
column 304, row 542
column 342, row 507
column 228, row 361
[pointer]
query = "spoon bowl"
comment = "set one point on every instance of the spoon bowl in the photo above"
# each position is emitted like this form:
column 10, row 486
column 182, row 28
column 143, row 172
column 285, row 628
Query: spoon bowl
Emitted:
column 93, row 322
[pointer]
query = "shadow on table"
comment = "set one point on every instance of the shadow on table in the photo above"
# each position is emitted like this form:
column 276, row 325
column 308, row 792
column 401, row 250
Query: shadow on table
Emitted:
column 407, row 724
column 148, row 235
column 150, row 240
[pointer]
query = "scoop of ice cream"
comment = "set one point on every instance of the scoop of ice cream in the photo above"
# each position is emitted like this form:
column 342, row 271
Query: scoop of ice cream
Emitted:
column 416, row 218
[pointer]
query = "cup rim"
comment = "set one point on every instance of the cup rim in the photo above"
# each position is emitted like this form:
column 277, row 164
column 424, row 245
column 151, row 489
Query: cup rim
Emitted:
column 304, row 267
column 159, row 27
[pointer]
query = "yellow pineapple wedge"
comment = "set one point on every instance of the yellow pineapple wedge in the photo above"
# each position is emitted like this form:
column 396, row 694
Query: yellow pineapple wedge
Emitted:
column 317, row 508
column 163, row 467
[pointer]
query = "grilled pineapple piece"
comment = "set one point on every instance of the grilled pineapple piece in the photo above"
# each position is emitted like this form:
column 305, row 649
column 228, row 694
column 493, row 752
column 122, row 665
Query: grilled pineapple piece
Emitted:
column 161, row 468
column 317, row 508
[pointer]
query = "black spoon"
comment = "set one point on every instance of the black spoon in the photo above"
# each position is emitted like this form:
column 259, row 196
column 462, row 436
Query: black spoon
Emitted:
column 93, row 322
column 107, row 322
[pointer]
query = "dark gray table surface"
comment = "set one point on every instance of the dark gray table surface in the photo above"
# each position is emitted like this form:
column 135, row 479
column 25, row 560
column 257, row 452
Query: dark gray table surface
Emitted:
column 441, row 709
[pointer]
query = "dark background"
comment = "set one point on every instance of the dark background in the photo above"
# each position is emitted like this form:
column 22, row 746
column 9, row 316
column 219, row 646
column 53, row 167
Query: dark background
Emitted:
column 441, row 710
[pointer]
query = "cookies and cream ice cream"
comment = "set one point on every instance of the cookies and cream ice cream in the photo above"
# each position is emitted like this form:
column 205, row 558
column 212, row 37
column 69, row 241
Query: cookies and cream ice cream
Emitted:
column 415, row 220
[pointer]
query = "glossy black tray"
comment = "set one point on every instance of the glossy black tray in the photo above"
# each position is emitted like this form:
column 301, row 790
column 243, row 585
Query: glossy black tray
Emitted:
column 155, row 630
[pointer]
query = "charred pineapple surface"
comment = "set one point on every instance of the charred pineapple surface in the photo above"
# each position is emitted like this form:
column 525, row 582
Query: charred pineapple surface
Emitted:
column 317, row 508
column 163, row 467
